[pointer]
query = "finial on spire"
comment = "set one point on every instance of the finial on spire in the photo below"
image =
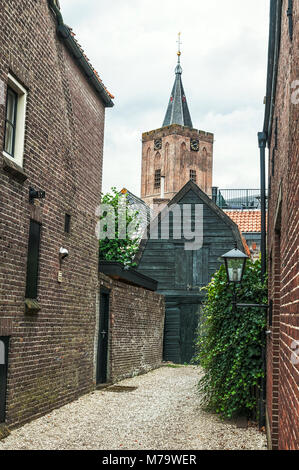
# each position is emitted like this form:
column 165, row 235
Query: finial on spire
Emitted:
column 179, row 46
column 177, row 110
column 178, row 67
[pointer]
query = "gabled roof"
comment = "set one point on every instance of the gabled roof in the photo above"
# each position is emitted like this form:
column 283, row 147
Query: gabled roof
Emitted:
column 247, row 220
column 191, row 186
column 68, row 36
column 133, row 199
column 177, row 110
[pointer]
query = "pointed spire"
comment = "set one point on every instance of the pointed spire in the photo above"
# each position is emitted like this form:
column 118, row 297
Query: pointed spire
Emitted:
column 178, row 111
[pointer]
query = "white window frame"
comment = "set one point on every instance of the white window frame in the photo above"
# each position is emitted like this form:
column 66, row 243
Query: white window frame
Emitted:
column 20, row 122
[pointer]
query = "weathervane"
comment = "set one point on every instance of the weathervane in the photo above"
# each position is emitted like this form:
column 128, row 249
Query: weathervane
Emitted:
column 179, row 46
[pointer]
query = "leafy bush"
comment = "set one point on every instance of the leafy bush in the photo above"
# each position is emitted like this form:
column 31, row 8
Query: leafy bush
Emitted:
column 118, row 249
column 229, row 344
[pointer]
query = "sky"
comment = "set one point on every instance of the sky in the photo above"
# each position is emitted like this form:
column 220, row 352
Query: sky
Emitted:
column 133, row 44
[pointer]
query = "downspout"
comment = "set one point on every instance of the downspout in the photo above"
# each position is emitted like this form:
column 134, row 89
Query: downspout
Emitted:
column 262, row 139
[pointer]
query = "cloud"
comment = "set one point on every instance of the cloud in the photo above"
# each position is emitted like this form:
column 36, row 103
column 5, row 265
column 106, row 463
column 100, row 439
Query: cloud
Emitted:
column 224, row 53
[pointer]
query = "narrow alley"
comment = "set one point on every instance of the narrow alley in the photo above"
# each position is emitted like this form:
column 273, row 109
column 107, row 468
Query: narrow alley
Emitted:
column 156, row 411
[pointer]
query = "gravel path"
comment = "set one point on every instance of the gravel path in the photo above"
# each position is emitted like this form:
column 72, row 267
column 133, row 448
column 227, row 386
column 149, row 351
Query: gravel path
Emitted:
column 162, row 413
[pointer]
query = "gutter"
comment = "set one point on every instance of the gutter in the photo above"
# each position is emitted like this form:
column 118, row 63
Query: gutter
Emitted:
column 273, row 58
column 117, row 271
column 65, row 34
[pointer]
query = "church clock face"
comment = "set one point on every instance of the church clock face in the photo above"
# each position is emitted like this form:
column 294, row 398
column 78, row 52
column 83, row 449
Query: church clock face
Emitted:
column 158, row 144
column 194, row 145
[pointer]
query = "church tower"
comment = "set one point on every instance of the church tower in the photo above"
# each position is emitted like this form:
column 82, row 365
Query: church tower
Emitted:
column 176, row 152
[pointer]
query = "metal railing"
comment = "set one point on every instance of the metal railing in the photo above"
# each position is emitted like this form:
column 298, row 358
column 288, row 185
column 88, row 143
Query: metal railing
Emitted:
column 238, row 199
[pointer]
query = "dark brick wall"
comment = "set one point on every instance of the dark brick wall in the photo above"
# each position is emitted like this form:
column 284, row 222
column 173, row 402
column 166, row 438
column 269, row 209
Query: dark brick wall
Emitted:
column 283, row 242
column 136, row 329
column 51, row 355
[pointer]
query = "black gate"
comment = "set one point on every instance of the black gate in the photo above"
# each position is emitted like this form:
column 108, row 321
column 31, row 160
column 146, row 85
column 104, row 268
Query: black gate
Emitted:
column 102, row 359
column 4, row 341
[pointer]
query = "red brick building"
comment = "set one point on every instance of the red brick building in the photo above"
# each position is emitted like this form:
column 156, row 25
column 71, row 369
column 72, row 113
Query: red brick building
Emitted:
column 281, row 132
column 52, row 109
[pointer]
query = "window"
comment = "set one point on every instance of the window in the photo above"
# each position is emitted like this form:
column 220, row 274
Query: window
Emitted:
column 33, row 260
column 14, row 135
column 10, row 121
column 193, row 176
column 157, row 179
column 67, row 223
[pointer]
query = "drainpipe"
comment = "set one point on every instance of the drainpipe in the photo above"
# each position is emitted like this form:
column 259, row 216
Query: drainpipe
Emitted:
column 262, row 140
column 214, row 194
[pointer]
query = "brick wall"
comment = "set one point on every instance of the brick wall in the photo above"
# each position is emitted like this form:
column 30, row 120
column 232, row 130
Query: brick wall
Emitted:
column 136, row 329
column 51, row 354
column 283, row 246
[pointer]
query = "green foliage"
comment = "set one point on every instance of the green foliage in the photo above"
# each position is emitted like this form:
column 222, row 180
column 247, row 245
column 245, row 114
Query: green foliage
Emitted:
column 118, row 249
column 229, row 344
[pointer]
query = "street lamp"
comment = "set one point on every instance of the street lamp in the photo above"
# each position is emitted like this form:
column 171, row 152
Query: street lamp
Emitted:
column 235, row 262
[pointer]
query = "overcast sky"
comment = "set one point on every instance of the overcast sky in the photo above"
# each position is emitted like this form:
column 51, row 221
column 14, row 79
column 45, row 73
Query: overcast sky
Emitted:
column 132, row 44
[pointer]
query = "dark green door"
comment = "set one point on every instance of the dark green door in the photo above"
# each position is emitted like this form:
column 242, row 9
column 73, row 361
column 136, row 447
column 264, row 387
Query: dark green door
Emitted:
column 102, row 359
column 4, row 341
column 172, row 346
column 188, row 324
column 181, row 322
column 182, row 309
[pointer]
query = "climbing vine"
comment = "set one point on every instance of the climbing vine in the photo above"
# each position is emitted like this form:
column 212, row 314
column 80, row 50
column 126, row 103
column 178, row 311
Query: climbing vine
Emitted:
column 229, row 344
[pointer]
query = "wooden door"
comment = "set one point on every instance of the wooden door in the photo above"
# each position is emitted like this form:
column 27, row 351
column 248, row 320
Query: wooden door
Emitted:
column 4, row 341
column 102, row 359
column 182, row 310
column 189, row 317
column 171, row 346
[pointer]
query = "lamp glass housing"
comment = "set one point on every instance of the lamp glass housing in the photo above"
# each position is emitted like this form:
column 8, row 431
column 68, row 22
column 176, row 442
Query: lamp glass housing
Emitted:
column 235, row 262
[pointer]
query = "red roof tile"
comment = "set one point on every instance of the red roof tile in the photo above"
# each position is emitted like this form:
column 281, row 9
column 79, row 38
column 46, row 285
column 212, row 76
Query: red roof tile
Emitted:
column 247, row 220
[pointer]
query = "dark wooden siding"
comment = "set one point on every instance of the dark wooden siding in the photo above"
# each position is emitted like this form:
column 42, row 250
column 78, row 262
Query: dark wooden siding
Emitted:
column 181, row 274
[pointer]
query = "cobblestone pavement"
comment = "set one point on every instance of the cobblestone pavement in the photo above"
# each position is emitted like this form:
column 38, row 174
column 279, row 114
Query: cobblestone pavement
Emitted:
column 162, row 413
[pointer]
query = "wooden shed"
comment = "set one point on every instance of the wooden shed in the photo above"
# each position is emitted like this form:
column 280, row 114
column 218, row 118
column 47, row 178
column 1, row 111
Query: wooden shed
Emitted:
column 182, row 273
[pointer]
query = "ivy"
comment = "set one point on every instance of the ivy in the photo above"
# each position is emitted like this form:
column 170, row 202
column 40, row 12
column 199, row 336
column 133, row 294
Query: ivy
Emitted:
column 118, row 249
column 229, row 344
